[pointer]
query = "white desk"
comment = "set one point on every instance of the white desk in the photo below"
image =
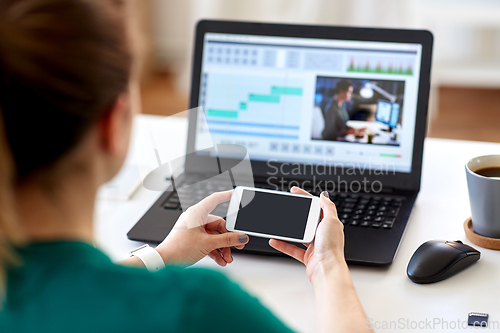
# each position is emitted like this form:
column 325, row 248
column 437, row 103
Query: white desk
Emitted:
column 378, row 129
column 386, row 293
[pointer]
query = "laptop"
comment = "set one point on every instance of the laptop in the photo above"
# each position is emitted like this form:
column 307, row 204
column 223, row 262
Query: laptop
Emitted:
column 281, row 91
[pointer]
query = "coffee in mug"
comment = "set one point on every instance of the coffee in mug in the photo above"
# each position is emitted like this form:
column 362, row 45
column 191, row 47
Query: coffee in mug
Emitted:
column 489, row 172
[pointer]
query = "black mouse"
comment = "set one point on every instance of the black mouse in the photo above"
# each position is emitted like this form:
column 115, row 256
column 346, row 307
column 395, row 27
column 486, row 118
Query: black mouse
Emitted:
column 437, row 260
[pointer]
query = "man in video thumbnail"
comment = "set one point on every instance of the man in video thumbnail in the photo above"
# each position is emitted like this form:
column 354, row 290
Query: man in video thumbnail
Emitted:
column 336, row 116
column 358, row 110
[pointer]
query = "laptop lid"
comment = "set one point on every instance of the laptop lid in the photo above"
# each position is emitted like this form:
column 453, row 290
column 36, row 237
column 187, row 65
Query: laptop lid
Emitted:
column 304, row 101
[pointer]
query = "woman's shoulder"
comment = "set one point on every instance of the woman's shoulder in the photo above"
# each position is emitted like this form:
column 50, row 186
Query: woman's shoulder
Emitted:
column 83, row 283
column 81, row 263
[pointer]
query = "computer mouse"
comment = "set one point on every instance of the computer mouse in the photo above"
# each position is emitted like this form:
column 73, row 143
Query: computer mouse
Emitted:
column 437, row 260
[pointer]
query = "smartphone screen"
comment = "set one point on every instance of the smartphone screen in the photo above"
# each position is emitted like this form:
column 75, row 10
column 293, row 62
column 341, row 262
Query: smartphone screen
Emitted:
column 273, row 214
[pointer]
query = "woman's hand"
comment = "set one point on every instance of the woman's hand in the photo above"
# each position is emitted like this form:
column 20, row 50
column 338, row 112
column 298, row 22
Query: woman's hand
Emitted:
column 337, row 306
column 197, row 234
column 327, row 249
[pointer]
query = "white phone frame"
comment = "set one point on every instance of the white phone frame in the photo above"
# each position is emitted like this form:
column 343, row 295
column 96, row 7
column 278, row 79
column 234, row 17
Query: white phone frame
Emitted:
column 311, row 224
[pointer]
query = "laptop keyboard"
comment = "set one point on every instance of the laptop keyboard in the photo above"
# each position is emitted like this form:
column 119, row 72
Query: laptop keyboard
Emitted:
column 193, row 194
column 356, row 210
column 367, row 210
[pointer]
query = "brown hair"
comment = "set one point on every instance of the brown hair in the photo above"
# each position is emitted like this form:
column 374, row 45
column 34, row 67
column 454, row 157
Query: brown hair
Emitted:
column 63, row 63
column 9, row 234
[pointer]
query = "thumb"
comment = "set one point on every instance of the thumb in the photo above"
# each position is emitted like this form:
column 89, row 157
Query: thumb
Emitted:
column 228, row 239
column 329, row 208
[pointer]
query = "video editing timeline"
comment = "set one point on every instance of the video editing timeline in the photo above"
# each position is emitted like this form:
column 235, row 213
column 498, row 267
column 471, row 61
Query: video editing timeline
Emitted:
column 261, row 91
column 255, row 106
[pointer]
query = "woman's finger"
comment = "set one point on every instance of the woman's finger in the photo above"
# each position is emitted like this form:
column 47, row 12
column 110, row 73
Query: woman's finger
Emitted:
column 217, row 225
column 226, row 254
column 227, row 239
column 217, row 258
column 216, row 231
column 298, row 190
column 289, row 249
column 329, row 208
column 209, row 203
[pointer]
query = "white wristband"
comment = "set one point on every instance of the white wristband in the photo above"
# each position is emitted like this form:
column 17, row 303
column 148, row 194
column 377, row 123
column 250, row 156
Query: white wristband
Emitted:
column 150, row 257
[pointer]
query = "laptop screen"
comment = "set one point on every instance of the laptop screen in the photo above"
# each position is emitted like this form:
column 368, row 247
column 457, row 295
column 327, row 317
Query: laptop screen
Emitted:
column 308, row 100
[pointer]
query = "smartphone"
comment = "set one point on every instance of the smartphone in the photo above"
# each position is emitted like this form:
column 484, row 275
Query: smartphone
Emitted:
column 273, row 214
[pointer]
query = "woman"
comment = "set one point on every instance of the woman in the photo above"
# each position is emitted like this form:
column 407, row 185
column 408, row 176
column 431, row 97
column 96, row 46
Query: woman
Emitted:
column 66, row 84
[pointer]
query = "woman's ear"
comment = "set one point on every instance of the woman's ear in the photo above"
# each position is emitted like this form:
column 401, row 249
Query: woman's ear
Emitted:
column 116, row 125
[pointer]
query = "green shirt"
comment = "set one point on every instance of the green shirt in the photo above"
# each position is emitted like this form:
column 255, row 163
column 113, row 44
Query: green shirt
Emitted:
column 72, row 287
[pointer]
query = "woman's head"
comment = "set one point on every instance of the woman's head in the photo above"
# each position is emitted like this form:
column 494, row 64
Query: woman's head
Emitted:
column 65, row 68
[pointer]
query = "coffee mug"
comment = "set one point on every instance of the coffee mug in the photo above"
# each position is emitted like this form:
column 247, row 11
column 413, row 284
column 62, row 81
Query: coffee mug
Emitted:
column 483, row 181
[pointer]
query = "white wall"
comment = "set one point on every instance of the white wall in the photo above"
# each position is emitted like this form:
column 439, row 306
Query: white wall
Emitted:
column 467, row 32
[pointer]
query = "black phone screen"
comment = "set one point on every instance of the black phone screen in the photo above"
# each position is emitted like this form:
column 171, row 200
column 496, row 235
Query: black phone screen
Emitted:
column 273, row 214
